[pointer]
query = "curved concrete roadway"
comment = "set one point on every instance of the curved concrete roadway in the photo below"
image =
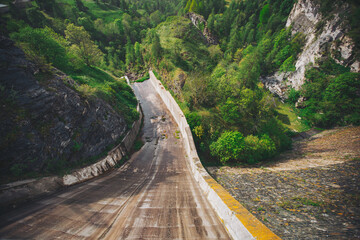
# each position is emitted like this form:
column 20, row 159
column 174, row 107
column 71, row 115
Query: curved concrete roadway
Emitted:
column 152, row 196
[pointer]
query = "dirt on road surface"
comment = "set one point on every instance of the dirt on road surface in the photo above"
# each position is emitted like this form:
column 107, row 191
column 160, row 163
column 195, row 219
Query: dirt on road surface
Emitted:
column 152, row 196
column 310, row 192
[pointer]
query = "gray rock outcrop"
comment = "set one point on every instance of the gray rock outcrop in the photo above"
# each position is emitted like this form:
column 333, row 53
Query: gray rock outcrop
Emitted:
column 44, row 121
column 305, row 17
column 197, row 20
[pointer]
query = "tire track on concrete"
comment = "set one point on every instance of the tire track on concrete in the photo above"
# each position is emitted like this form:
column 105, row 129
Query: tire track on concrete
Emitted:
column 152, row 196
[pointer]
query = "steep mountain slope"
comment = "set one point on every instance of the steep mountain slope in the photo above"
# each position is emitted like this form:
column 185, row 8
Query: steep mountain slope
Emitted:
column 325, row 35
column 46, row 126
column 211, row 57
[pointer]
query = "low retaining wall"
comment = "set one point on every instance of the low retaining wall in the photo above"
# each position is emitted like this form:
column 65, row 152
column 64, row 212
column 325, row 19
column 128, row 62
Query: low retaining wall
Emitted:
column 239, row 222
column 21, row 191
column 108, row 162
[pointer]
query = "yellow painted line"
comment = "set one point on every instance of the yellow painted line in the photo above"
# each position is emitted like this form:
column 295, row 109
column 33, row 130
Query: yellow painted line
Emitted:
column 251, row 223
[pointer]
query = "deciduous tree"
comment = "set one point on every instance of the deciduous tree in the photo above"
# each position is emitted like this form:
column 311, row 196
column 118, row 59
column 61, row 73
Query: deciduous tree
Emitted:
column 82, row 45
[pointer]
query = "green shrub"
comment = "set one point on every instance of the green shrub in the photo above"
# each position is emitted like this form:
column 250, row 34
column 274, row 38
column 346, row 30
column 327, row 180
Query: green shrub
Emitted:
column 193, row 119
column 264, row 14
column 332, row 95
column 76, row 146
column 17, row 169
column 229, row 146
column 277, row 132
column 145, row 77
column 157, row 75
column 233, row 146
column 293, row 96
column 138, row 145
column 42, row 43
column 257, row 149
column 288, row 65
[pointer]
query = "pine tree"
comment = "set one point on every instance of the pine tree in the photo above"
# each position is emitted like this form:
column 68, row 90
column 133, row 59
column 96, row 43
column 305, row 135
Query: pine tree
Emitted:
column 81, row 6
column 194, row 7
column 187, row 7
column 130, row 54
column 137, row 52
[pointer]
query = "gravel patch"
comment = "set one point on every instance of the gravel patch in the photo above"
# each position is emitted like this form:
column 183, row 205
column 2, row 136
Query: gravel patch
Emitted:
column 310, row 192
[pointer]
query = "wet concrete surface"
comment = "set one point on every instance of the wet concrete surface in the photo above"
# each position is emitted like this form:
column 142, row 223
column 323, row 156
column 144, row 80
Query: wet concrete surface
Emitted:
column 152, row 196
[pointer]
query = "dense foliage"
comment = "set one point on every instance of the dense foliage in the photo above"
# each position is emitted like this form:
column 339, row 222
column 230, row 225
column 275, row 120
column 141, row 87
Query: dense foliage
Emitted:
column 225, row 104
column 233, row 118
column 332, row 95
column 83, row 38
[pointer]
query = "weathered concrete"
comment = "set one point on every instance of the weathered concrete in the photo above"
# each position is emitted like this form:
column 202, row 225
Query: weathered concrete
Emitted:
column 239, row 222
column 152, row 196
column 108, row 162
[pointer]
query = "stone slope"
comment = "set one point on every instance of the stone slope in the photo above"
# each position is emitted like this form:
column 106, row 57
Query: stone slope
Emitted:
column 306, row 18
column 45, row 123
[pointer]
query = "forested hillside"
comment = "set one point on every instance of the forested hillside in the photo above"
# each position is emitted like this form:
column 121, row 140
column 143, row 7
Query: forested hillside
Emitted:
column 234, row 118
column 232, row 115
column 60, row 122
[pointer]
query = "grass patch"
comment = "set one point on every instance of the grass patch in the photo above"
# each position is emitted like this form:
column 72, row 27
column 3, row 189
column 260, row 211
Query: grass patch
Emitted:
column 308, row 202
column 298, row 202
column 102, row 11
column 289, row 118
column 144, row 78
column 289, row 205
column 95, row 82
column 177, row 134
column 138, row 145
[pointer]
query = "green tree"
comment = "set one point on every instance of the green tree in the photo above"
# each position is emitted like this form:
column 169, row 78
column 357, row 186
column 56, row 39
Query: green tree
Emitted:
column 343, row 96
column 130, row 55
column 82, row 45
column 249, row 69
column 137, row 52
column 155, row 18
column 257, row 149
column 211, row 22
column 155, row 49
column 247, row 110
column 86, row 23
column 80, row 5
column 264, row 14
column 194, row 7
column 187, row 7
column 343, row 90
column 126, row 24
column 119, row 26
column 277, row 132
column 288, row 65
column 229, row 146
column 233, row 43
column 47, row 5
column 35, row 17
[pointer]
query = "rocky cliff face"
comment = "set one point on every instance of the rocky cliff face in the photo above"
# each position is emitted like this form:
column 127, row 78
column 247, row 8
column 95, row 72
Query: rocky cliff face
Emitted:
column 322, row 35
column 44, row 122
column 199, row 20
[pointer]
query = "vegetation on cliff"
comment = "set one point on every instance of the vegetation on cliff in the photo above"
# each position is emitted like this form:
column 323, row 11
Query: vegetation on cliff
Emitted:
column 217, row 86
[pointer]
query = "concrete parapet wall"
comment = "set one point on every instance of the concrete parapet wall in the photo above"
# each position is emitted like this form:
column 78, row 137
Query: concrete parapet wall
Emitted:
column 21, row 191
column 108, row 162
column 239, row 222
